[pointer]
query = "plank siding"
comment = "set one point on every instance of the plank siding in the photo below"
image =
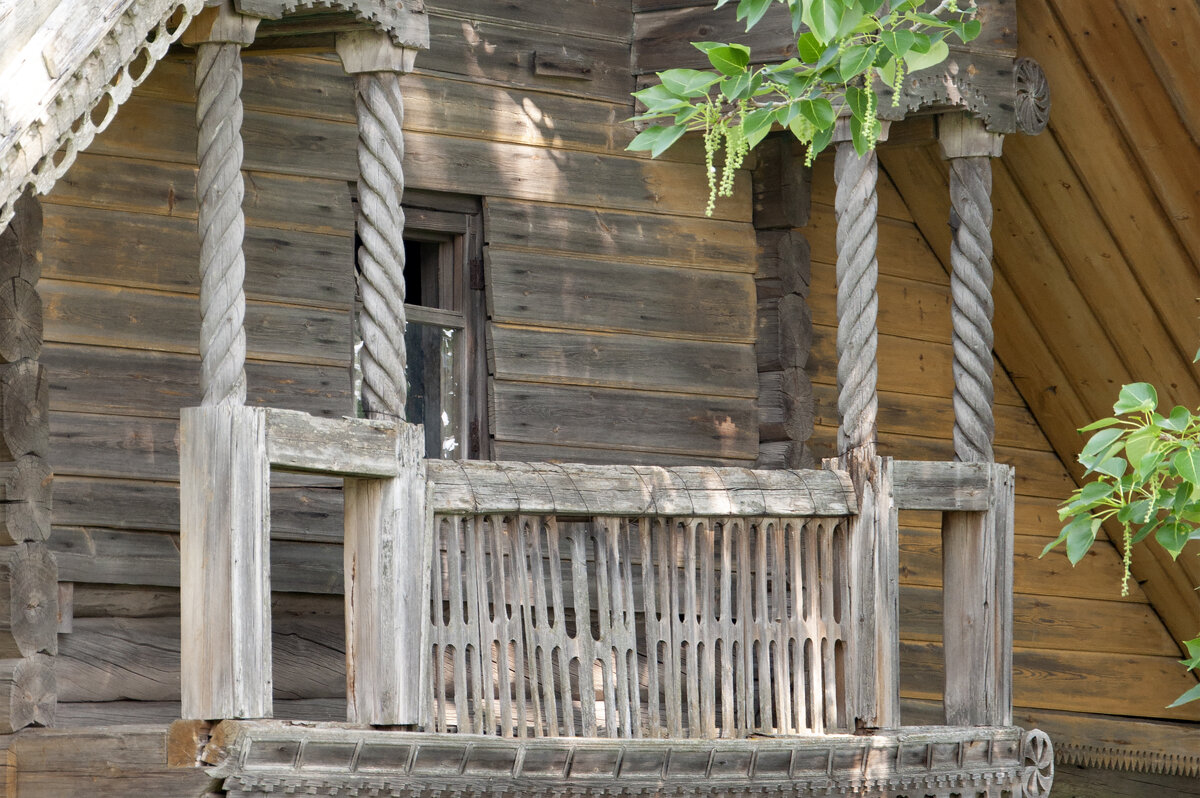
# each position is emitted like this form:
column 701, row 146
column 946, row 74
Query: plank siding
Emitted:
column 623, row 320
column 1054, row 603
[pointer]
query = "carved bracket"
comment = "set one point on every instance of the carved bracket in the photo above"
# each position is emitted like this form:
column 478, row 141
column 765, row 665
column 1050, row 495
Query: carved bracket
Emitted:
column 406, row 23
column 1037, row 752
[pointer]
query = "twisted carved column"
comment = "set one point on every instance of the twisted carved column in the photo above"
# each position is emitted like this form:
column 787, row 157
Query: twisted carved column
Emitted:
column 969, row 149
column 856, row 204
column 381, row 229
column 219, row 34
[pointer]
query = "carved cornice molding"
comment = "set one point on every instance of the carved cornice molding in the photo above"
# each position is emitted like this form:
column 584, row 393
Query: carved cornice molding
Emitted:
column 264, row 757
column 407, row 23
column 37, row 152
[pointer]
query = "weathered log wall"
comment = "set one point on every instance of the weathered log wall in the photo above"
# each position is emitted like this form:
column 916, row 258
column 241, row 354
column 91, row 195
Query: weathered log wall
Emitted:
column 1079, row 646
column 621, row 320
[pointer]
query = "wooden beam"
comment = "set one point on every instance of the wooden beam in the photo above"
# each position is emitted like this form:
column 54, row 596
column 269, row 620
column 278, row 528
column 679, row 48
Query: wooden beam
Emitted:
column 351, row 447
column 931, row 485
column 472, row 487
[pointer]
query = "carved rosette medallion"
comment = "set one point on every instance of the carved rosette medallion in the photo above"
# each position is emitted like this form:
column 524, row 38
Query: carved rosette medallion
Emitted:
column 1032, row 96
column 1037, row 753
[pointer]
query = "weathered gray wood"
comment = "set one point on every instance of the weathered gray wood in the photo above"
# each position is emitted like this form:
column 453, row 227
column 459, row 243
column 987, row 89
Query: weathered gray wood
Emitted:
column 225, row 582
column 27, row 692
column 782, row 186
column 977, row 551
column 387, row 558
column 28, row 601
column 476, row 487
column 930, row 485
column 620, row 360
column 25, row 499
column 66, row 608
column 21, row 241
column 20, row 320
column 665, row 423
column 24, row 410
column 600, row 455
column 347, row 447
column 585, row 293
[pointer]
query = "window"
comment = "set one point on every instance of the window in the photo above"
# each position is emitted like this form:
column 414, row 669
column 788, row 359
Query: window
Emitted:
column 444, row 303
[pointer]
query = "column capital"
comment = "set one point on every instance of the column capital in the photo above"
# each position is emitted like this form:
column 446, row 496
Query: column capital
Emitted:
column 373, row 51
column 962, row 135
column 220, row 24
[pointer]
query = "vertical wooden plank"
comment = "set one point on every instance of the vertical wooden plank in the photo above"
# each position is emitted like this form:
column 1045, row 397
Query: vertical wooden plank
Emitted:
column 728, row 632
column 598, row 540
column 561, row 645
column 387, row 558
column 540, row 633
column 977, row 599
column 652, row 600
column 670, row 543
column 782, row 633
column 225, row 589
column 584, row 653
column 811, row 653
column 761, row 621
column 744, row 661
column 887, row 598
column 709, row 632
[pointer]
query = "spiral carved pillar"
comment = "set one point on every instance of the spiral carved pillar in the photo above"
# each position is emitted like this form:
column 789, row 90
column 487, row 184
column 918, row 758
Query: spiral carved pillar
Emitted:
column 856, row 204
column 377, row 65
column 969, row 148
column 219, row 33
column 383, row 619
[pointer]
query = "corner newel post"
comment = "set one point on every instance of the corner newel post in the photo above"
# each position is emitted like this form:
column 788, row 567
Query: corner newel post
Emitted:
column 386, row 550
column 977, row 547
column 225, row 589
column 873, row 698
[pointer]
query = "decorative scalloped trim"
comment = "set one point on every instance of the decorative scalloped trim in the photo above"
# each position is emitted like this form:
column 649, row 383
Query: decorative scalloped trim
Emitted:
column 1131, row 759
column 392, row 17
column 46, row 149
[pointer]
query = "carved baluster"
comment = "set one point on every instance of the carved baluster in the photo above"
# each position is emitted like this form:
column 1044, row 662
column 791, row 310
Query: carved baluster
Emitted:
column 977, row 547
column 219, row 34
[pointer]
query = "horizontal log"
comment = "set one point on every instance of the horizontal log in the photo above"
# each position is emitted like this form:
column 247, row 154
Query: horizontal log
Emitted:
column 601, row 455
column 94, row 661
column 26, row 493
column 126, row 713
column 346, row 446
column 120, row 557
column 144, row 383
column 27, row 692
column 24, row 410
column 649, row 421
column 468, row 487
column 28, row 601
column 618, row 360
column 924, row 485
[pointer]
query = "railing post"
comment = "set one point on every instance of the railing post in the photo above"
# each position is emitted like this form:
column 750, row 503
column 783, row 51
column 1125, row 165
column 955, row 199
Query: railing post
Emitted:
column 874, row 657
column 977, row 547
column 387, row 561
column 225, row 588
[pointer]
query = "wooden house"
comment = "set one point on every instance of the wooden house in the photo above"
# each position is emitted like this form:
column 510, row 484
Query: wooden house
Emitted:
column 620, row 545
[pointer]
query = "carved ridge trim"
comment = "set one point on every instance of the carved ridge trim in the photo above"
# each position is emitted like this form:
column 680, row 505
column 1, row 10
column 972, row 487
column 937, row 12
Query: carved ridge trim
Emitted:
column 1165, row 763
column 44, row 150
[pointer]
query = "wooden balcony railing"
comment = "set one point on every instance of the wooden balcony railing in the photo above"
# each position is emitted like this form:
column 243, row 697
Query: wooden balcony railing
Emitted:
column 543, row 600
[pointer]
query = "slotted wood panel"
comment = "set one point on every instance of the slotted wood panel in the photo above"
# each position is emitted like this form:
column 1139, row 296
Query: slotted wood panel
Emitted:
column 639, row 627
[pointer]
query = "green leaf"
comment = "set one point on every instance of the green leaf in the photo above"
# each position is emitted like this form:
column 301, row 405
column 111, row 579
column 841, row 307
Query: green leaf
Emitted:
column 852, row 17
column 1179, row 419
column 858, row 134
column 729, row 59
column 1137, row 397
column 1140, row 442
column 1186, row 698
column 659, row 100
column 936, row 54
column 809, row 47
column 752, row 11
column 819, row 111
column 1101, row 442
column 1172, row 536
column 855, row 61
column 1135, row 512
column 1081, row 534
column 969, row 30
column 1101, row 424
column 1112, row 466
column 822, row 18
column 688, row 82
column 898, row 41
column 820, row 140
column 856, row 98
column 1187, row 464
column 657, row 139
column 736, row 87
column 1193, row 649
column 757, row 125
